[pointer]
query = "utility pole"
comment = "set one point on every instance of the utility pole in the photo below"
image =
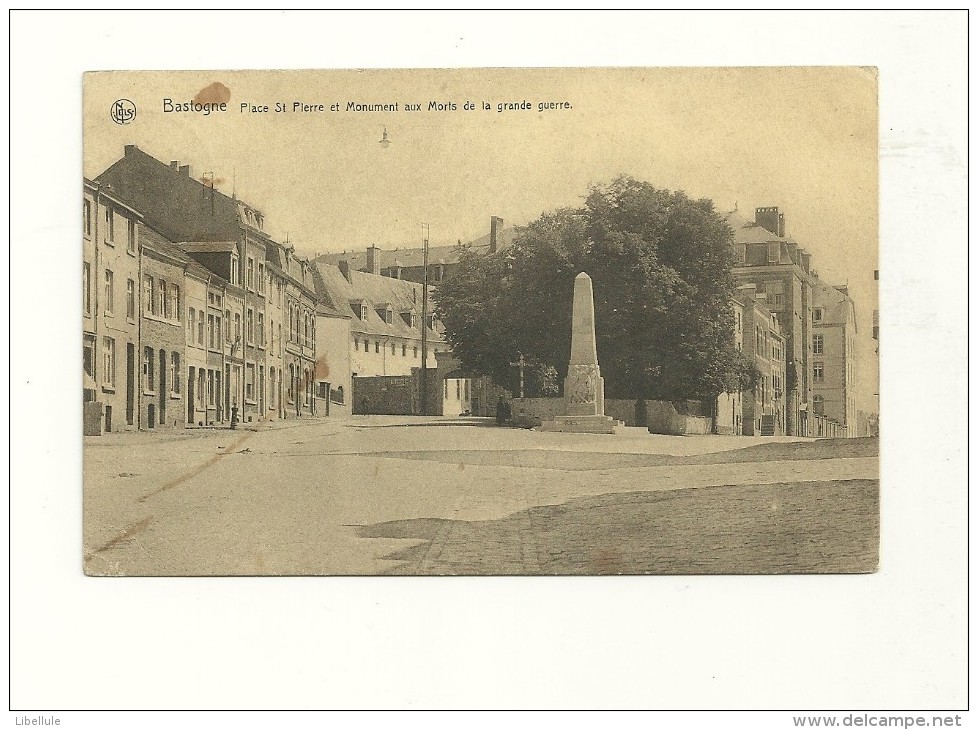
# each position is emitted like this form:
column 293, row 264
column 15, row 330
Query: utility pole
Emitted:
column 521, row 363
column 425, row 232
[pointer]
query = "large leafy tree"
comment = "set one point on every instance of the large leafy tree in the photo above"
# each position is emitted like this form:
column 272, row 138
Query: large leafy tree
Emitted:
column 660, row 263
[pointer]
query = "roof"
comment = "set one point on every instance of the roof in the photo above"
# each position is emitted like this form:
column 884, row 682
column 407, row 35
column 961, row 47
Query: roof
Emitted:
column 414, row 257
column 174, row 203
column 837, row 306
column 209, row 246
column 376, row 292
column 747, row 231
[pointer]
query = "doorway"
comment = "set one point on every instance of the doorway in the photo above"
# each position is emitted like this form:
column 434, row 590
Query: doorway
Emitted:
column 130, row 384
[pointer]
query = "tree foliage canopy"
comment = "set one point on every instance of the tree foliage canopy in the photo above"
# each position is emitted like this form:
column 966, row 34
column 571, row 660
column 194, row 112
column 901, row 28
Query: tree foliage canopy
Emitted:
column 660, row 264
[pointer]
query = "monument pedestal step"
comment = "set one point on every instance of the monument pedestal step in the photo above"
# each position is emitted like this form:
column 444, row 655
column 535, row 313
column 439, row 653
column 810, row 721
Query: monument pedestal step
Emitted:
column 582, row 424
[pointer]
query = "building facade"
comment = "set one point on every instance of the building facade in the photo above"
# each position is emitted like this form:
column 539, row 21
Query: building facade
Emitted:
column 834, row 363
column 110, row 310
column 780, row 270
column 253, row 341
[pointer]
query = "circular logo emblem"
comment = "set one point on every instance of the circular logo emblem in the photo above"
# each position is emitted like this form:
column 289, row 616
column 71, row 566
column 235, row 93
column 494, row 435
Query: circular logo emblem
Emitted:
column 123, row 111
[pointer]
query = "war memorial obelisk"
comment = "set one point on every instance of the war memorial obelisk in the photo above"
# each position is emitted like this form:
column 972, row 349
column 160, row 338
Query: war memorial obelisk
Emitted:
column 583, row 386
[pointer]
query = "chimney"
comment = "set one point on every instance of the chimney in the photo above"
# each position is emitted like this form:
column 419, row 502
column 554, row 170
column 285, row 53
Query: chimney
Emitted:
column 770, row 219
column 185, row 170
column 175, row 164
column 806, row 261
column 495, row 232
column 129, row 149
column 373, row 260
column 344, row 266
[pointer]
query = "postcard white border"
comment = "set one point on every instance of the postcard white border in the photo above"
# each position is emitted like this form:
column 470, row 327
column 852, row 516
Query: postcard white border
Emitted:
column 891, row 640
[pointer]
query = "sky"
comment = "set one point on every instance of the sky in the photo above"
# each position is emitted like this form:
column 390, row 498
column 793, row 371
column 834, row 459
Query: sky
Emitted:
column 804, row 139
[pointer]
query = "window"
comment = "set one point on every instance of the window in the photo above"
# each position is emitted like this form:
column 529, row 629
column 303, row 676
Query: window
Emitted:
column 250, row 382
column 817, row 314
column 200, row 328
column 87, row 286
column 210, row 330
column 174, row 372
column 148, row 294
column 227, row 318
column 819, row 404
column 261, row 278
column 377, row 346
column 237, row 327
column 202, row 384
column 446, row 389
column 130, row 299
column 148, row 380
column 403, row 350
column 251, row 273
column 109, row 292
column 415, row 353
column 89, row 356
column 773, row 253
column 779, row 300
column 109, row 227
column 108, row 362
column 366, row 345
column 818, row 372
column 261, row 329
column 234, row 269
column 191, row 324
column 356, row 345
column 173, row 310
column 250, row 323
column 393, row 349
column 131, row 237
column 217, row 338
column 87, row 218
column 818, row 344
column 160, row 308
column 210, row 387
column 742, row 253
column 363, row 312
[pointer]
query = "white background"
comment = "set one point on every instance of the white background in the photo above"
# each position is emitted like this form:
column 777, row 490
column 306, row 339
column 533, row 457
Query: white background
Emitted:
column 894, row 640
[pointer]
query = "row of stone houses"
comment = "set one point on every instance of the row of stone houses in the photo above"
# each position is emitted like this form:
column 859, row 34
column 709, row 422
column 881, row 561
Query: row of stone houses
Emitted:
column 192, row 313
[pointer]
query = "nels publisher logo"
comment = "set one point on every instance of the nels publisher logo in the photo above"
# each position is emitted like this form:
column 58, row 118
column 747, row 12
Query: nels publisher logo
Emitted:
column 123, row 111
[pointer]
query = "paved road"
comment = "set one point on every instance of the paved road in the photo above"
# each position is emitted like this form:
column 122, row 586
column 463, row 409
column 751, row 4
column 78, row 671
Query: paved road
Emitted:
column 374, row 495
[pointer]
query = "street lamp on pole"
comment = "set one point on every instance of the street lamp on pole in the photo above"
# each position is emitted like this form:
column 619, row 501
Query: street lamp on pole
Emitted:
column 425, row 232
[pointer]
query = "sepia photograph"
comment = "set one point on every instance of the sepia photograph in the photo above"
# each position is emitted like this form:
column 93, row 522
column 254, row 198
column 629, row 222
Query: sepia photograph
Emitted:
column 481, row 322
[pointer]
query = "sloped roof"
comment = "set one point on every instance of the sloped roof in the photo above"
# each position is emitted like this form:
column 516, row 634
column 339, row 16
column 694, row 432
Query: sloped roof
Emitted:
column 747, row 231
column 376, row 292
column 174, row 203
column 837, row 305
column 209, row 246
column 414, row 257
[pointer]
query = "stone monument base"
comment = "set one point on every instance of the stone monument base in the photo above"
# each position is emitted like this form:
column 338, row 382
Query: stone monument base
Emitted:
column 581, row 424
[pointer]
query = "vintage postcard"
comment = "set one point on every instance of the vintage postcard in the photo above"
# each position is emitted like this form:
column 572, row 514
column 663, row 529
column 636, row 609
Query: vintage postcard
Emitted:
column 481, row 322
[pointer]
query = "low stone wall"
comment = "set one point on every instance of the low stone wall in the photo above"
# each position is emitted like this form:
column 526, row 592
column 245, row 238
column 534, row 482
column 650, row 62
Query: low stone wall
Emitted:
column 533, row 411
column 665, row 419
column 621, row 410
column 661, row 416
